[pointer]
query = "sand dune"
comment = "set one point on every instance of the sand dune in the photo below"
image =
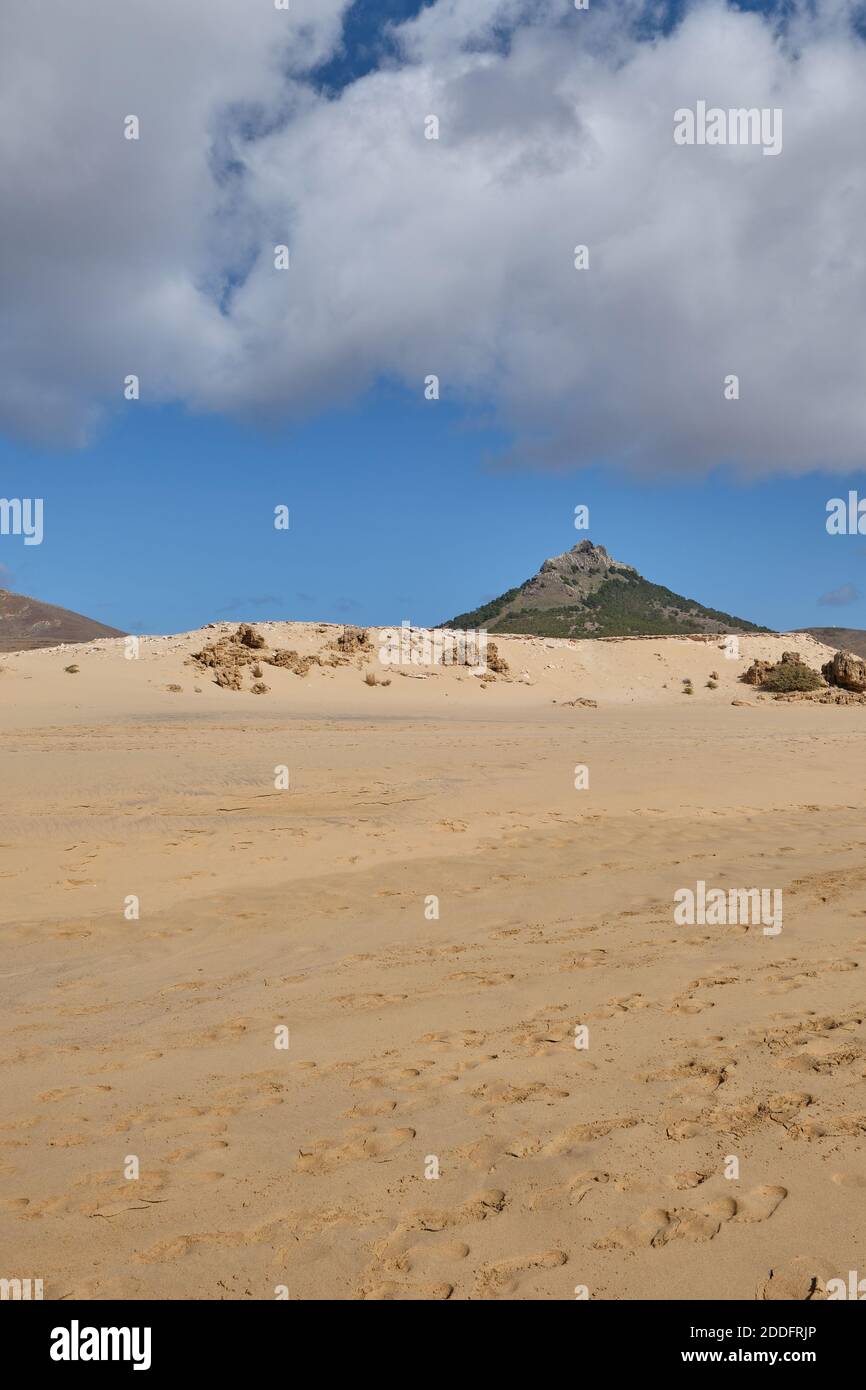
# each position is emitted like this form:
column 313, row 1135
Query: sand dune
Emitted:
column 418, row 1040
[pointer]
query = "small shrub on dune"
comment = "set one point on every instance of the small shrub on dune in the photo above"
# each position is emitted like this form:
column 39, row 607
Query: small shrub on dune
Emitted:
column 792, row 675
column 788, row 674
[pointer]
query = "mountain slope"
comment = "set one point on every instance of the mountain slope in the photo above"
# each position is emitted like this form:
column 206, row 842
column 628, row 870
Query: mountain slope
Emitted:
column 586, row 593
column 847, row 639
column 26, row 623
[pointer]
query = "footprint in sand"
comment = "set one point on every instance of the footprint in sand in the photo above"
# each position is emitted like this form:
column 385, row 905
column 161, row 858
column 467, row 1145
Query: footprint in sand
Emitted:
column 681, row 1182
column 371, row 1107
column 496, row 977
column 477, row 1208
column 579, row 1135
column 192, row 1151
column 494, row 1095
column 802, row 1279
column 97, row 1193
column 364, row 1143
column 399, row 1079
column 688, row 1005
column 368, row 1001
column 390, row 1291
column 587, row 961
column 506, row 1276
column 628, row 1003
column 698, row 1076
column 65, row 1093
column 656, row 1226
column 826, row 1056
column 447, row 1042
column 402, row 1250
column 568, row 1193
column 409, row 1256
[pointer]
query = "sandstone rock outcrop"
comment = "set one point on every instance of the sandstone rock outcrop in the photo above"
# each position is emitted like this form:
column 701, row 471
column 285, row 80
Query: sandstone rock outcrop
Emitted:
column 756, row 673
column 846, row 670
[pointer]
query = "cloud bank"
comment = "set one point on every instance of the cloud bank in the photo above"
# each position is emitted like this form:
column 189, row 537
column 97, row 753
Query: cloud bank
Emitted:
column 455, row 256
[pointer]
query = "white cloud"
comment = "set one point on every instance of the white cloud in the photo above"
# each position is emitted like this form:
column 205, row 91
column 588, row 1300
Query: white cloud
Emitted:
column 848, row 593
column 454, row 256
column 108, row 243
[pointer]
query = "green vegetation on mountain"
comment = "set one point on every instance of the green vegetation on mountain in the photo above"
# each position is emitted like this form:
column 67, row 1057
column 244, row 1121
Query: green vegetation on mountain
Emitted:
column 585, row 593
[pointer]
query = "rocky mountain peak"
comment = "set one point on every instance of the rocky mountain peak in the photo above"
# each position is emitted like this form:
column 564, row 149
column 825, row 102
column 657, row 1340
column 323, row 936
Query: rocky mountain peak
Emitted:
column 585, row 592
column 584, row 558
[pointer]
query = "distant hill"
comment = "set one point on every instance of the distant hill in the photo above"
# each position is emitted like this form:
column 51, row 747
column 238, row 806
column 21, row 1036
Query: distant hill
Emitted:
column 586, row 593
column 26, row 623
column 848, row 639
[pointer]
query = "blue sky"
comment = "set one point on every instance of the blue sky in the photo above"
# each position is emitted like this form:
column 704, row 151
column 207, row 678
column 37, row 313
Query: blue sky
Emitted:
column 410, row 257
column 398, row 510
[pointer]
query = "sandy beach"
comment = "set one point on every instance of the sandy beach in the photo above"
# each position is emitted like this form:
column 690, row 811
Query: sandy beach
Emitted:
column 433, row 911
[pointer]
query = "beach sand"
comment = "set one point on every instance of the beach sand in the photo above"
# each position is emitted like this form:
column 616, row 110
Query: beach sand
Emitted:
column 419, row 1041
